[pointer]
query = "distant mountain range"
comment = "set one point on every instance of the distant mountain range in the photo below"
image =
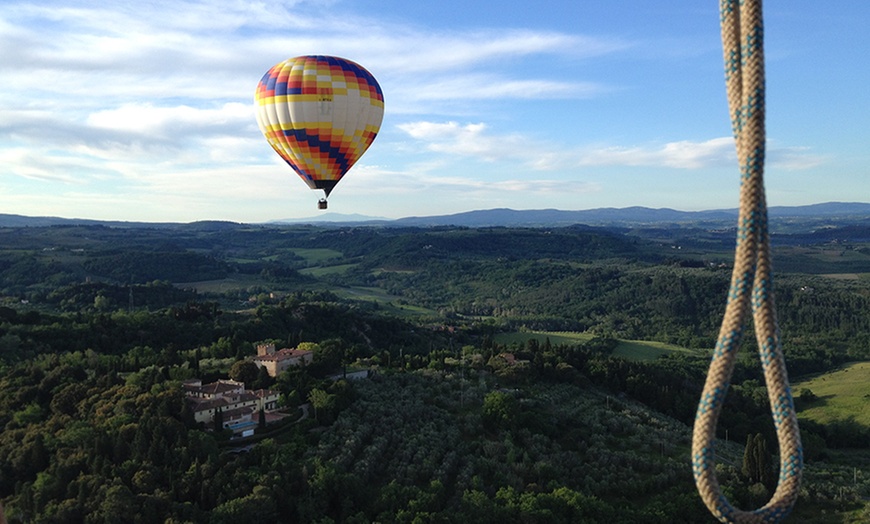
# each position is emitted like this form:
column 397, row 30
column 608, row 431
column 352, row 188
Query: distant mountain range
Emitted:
column 7, row 220
column 627, row 216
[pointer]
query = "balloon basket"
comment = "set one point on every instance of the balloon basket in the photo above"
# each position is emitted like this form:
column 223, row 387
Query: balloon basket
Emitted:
column 321, row 204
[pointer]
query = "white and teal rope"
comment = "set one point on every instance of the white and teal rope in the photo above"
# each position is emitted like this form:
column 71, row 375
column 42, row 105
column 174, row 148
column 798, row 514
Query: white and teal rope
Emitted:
column 751, row 282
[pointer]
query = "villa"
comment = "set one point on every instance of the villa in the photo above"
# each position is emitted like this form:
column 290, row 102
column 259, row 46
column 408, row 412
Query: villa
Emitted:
column 239, row 407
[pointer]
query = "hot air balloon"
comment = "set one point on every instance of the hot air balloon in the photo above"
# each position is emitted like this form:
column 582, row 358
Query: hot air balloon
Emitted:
column 320, row 113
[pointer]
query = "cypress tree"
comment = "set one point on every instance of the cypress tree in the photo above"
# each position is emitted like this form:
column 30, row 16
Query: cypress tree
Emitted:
column 757, row 462
column 218, row 420
column 763, row 462
column 749, row 466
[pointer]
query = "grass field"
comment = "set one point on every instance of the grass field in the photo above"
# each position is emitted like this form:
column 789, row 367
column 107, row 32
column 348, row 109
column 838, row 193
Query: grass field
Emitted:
column 842, row 276
column 317, row 256
column 826, row 260
column 646, row 350
column 556, row 337
column 842, row 394
column 629, row 349
column 848, row 276
column 373, row 294
column 224, row 285
column 326, row 270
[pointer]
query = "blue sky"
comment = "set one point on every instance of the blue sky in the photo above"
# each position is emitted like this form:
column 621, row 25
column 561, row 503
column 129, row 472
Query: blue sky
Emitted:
column 143, row 110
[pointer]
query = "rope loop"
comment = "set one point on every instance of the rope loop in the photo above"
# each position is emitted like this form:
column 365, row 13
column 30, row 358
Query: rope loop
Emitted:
column 751, row 282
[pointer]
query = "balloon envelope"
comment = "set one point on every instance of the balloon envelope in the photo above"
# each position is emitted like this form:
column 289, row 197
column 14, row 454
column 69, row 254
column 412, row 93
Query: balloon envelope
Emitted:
column 320, row 113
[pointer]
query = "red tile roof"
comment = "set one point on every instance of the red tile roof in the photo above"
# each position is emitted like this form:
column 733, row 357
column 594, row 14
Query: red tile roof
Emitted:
column 283, row 354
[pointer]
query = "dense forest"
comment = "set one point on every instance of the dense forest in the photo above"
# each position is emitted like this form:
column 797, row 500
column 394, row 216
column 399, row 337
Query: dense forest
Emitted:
column 100, row 325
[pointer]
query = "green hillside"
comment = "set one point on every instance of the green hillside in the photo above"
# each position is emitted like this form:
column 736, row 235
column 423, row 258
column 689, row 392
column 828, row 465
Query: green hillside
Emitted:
column 840, row 395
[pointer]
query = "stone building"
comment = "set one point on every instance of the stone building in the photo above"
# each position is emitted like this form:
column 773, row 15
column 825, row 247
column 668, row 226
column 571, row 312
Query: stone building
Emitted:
column 277, row 361
column 238, row 406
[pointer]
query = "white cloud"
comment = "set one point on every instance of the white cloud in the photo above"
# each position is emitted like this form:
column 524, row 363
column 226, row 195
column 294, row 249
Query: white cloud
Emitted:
column 474, row 140
column 427, row 179
column 150, row 119
column 136, row 135
column 546, row 187
column 434, row 131
column 195, row 44
column 451, row 51
column 466, row 140
column 27, row 164
column 792, row 158
column 471, row 86
column 683, row 154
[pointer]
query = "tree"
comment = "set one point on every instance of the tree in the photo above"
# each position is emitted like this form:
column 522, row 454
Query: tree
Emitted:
column 9, row 345
column 308, row 346
column 66, row 399
column 321, row 401
column 102, row 302
column 748, row 468
column 244, row 371
column 757, row 462
column 330, row 353
column 117, row 504
column 500, row 410
column 263, row 380
column 218, row 419
column 807, row 395
column 259, row 506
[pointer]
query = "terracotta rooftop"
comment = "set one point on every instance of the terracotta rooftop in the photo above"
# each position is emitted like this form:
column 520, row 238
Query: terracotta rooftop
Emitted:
column 215, row 388
column 206, row 397
column 283, row 354
column 203, row 404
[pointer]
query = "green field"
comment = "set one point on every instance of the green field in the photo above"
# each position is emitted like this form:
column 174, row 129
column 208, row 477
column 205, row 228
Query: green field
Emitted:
column 224, row 285
column 841, row 394
column 646, row 349
column 848, row 276
column 823, row 259
column 629, row 349
column 379, row 296
column 373, row 294
column 556, row 337
column 320, row 271
column 316, row 256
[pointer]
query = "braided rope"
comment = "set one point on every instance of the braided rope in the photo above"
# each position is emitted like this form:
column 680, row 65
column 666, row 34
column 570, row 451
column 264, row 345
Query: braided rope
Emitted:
column 742, row 40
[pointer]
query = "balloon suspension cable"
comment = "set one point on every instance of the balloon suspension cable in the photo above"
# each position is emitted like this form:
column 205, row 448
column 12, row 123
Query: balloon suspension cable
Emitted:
column 751, row 283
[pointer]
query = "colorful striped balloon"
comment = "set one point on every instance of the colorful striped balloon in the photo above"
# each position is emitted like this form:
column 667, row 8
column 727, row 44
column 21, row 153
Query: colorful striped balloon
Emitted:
column 320, row 113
